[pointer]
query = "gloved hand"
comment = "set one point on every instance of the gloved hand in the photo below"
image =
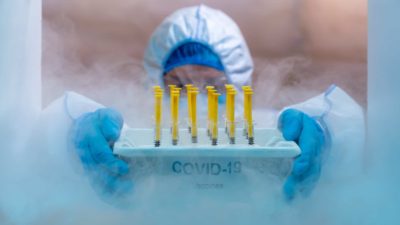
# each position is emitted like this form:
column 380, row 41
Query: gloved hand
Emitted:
column 307, row 133
column 93, row 136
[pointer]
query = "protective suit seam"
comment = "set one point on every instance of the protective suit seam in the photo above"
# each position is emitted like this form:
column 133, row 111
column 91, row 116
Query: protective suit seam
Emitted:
column 66, row 108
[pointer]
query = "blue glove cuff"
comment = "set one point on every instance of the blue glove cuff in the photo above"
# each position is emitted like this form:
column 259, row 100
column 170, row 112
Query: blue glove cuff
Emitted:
column 325, row 131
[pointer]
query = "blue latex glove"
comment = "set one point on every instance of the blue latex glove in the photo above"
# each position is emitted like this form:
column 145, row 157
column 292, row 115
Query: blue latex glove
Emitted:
column 93, row 136
column 307, row 133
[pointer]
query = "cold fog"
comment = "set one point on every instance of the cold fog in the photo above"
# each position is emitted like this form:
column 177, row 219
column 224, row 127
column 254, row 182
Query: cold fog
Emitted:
column 101, row 46
column 96, row 47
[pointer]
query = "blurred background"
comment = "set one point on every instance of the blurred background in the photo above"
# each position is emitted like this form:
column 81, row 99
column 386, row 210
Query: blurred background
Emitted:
column 300, row 47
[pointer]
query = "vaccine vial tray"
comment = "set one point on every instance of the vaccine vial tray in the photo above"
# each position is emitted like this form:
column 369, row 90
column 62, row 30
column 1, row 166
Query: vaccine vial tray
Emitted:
column 268, row 143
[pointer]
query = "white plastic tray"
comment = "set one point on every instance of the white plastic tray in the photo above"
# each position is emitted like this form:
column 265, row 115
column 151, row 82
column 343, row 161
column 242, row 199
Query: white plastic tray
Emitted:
column 268, row 143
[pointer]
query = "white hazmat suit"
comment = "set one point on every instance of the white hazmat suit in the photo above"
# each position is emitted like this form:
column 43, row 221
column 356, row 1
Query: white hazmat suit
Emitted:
column 21, row 113
column 342, row 117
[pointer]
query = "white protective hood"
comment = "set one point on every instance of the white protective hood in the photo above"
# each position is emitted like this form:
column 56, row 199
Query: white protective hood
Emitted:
column 205, row 25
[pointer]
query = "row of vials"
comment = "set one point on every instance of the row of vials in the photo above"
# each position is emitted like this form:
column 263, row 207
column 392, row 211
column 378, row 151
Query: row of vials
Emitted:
column 212, row 113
